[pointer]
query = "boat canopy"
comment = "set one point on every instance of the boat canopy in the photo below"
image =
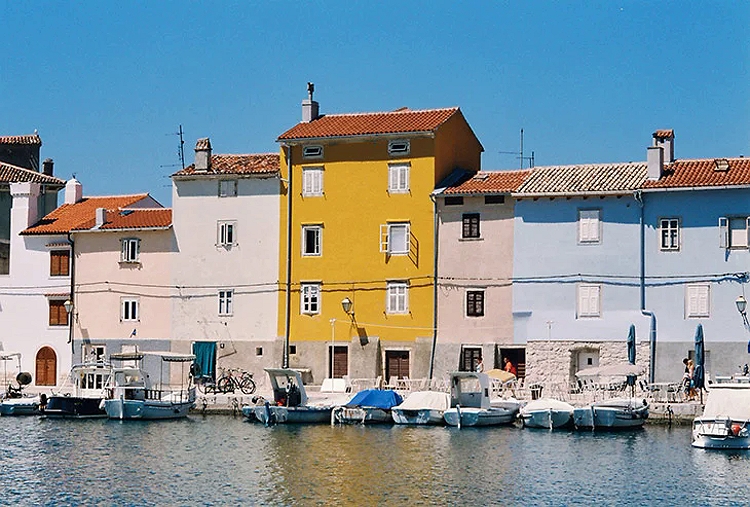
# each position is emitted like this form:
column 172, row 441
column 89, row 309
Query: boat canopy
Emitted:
column 8, row 356
column 375, row 398
column 286, row 384
column 728, row 400
column 547, row 404
column 173, row 357
column 126, row 356
column 432, row 400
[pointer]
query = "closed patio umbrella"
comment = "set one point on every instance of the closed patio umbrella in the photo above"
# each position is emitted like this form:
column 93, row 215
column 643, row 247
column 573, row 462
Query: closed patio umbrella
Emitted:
column 631, row 352
column 699, row 375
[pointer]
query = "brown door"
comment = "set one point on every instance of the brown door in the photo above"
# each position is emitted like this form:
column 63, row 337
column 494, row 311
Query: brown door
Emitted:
column 46, row 367
column 340, row 364
column 396, row 364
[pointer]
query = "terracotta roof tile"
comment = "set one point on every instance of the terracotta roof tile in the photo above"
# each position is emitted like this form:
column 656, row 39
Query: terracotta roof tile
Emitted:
column 664, row 133
column 33, row 139
column 402, row 121
column 14, row 174
column 260, row 163
column 490, row 182
column 588, row 178
column 70, row 216
column 145, row 218
column 703, row 173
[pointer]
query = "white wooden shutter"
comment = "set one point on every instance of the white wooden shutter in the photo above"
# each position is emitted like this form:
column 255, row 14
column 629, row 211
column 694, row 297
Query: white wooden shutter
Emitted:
column 384, row 238
column 123, row 250
column 588, row 226
column 723, row 232
column 747, row 230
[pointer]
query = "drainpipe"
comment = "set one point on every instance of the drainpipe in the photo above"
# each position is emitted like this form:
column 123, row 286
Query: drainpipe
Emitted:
column 434, row 285
column 638, row 196
column 287, row 315
column 73, row 313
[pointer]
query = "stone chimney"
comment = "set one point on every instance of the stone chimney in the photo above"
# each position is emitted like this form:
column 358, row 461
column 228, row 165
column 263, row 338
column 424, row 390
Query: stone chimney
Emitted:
column 203, row 155
column 25, row 209
column 655, row 162
column 73, row 191
column 310, row 108
column 101, row 217
column 48, row 166
column 665, row 140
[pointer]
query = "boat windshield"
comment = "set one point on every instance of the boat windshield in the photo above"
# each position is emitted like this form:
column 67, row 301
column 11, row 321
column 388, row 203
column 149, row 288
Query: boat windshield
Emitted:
column 129, row 378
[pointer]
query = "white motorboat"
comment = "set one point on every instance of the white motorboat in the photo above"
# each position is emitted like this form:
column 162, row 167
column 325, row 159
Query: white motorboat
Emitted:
column 547, row 413
column 290, row 401
column 367, row 407
column 14, row 401
column 470, row 402
column 88, row 381
column 422, row 407
column 724, row 423
column 617, row 413
column 130, row 394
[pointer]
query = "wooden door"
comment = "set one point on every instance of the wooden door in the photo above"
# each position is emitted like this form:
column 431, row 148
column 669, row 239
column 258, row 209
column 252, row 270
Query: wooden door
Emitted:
column 470, row 356
column 340, row 361
column 396, row 364
column 46, row 367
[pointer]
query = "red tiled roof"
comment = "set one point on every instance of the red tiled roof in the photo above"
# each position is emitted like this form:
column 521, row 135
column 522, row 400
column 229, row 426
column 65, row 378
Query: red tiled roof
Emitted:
column 664, row 133
column 144, row 218
column 702, row 173
column 28, row 139
column 70, row 216
column 402, row 121
column 585, row 178
column 490, row 182
column 14, row 174
column 259, row 163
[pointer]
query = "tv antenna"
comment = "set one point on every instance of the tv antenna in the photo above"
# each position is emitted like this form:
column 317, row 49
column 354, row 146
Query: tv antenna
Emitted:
column 519, row 154
column 180, row 149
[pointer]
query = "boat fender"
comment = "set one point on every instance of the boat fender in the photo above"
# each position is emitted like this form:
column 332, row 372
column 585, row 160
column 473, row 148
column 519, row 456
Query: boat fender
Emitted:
column 458, row 413
column 268, row 413
column 736, row 428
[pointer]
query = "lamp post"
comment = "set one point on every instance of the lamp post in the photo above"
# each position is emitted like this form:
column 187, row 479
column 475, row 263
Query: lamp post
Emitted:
column 741, row 303
column 68, row 304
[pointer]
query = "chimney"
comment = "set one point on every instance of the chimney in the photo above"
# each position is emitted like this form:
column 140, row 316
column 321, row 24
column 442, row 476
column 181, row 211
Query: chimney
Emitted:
column 48, row 166
column 24, row 210
column 203, row 155
column 665, row 140
column 101, row 217
column 310, row 108
column 73, row 191
column 655, row 162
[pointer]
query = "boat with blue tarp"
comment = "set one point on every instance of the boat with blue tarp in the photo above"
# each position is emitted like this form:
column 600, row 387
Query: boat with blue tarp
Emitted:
column 367, row 407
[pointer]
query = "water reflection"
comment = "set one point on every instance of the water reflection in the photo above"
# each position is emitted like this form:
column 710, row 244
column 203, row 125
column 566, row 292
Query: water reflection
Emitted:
column 226, row 461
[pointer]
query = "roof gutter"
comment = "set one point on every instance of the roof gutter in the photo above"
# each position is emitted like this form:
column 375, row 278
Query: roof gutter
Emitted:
column 694, row 188
column 520, row 195
column 637, row 195
column 288, row 295
column 126, row 229
column 355, row 138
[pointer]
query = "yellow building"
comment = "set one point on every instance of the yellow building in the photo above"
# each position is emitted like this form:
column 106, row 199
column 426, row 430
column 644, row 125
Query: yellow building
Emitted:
column 359, row 276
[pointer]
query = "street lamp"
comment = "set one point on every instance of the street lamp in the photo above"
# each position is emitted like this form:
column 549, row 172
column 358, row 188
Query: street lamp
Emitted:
column 741, row 303
column 68, row 304
column 346, row 304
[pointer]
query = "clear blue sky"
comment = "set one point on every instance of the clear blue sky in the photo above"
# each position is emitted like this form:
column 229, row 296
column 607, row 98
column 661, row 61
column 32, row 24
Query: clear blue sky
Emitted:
column 105, row 83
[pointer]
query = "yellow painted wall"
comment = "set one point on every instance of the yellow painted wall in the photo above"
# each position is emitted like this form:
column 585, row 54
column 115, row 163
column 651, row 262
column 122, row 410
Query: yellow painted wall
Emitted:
column 355, row 204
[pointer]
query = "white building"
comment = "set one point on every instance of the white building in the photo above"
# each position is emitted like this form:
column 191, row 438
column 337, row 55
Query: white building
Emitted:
column 226, row 262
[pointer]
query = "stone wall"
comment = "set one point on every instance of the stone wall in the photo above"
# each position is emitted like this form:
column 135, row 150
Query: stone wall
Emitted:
column 555, row 362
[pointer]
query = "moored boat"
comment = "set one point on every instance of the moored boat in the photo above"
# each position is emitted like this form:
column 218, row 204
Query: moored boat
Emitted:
column 130, row 394
column 367, row 407
column 14, row 401
column 88, row 380
column 617, row 413
column 422, row 407
column 470, row 402
column 547, row 413
column 725, row 419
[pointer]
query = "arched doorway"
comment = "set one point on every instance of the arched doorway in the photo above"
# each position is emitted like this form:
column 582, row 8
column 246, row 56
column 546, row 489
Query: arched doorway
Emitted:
column 46, row 367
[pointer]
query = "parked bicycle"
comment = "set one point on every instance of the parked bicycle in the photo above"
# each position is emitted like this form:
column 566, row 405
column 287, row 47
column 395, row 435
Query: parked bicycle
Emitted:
column 229, row 381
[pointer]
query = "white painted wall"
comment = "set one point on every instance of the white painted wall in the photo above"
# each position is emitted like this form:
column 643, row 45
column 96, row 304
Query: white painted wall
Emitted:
column 24, row 310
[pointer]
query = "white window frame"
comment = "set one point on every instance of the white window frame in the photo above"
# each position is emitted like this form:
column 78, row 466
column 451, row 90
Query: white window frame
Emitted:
column 399, row 147
column 397, row 298
column 226, row 302
column 728, row 233
column 226, row 233
column 387, row 242
column 589, row 226
column 697, row 300
column 309, row 298
column 130, row 250
column 588, row 300
column 228, row 188
column 130, row 309
column 318, row 251
column 312, row 181
column 398, row 178
column 667, row 226
column 312, row 151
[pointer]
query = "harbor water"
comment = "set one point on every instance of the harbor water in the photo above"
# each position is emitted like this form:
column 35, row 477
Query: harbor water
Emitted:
column 222, row 460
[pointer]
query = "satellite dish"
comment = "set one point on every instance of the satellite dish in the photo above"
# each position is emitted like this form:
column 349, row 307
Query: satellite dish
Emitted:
column 23, row 378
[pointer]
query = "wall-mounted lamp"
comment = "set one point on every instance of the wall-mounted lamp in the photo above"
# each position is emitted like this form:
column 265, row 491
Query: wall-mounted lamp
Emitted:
column 68, row 304
column 347, row 304
column 741, row 303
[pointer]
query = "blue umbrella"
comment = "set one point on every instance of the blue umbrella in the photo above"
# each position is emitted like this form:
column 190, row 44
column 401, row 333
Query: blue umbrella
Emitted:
column 631, row 352
column 699, row 375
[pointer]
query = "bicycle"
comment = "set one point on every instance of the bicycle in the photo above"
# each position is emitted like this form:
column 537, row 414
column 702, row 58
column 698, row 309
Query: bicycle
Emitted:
column 229, row 383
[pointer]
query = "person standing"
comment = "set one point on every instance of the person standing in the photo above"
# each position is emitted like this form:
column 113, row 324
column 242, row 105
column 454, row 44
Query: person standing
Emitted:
column 479, row 368
column 508, row 366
